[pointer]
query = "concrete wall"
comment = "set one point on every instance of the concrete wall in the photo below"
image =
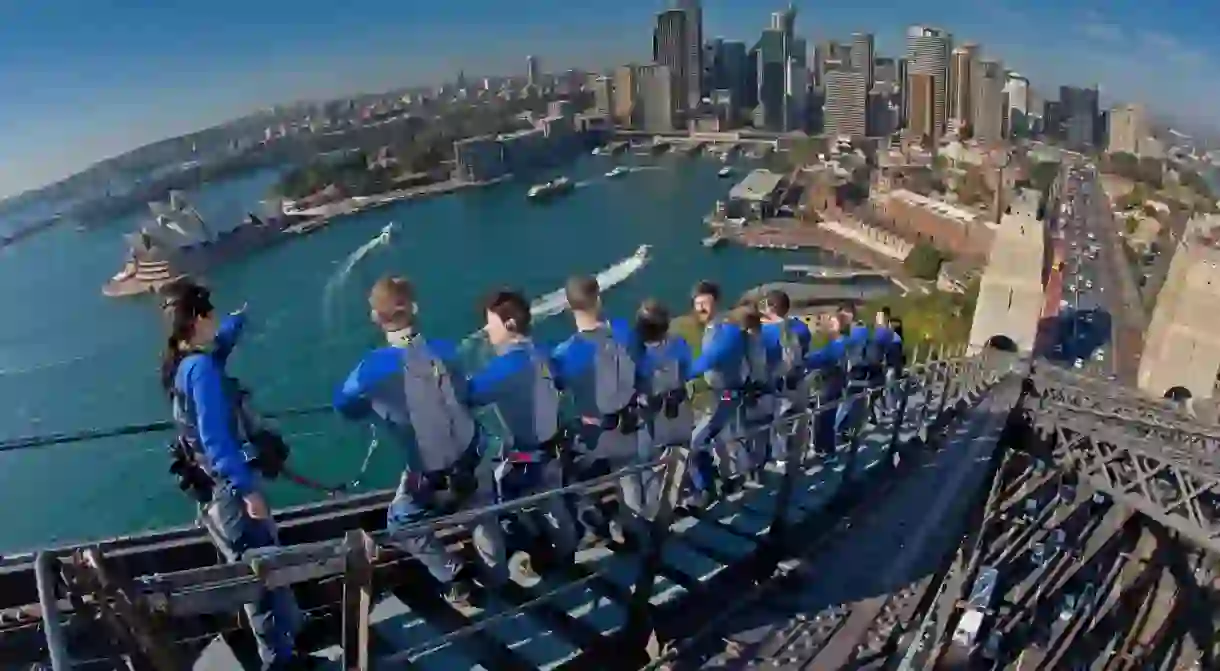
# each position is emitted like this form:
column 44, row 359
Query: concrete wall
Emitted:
column 1011, row 291
column 1182, row 345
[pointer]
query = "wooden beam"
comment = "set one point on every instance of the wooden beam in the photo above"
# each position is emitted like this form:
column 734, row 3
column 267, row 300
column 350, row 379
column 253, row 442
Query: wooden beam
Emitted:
column 361, row 552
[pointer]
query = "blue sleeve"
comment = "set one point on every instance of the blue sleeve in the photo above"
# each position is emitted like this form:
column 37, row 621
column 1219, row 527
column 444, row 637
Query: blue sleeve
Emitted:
column 213, row 414
column 803, row 335
column 826, row 355
column 771, row 344
column 227, row 335
column 486, row 383
column 351, row 399
column 722, row 345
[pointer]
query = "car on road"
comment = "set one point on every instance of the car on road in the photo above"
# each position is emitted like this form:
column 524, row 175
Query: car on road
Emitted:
column 1079, row 363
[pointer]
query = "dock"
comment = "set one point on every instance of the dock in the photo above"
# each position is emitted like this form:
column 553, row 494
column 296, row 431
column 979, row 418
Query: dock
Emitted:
column 830, row 272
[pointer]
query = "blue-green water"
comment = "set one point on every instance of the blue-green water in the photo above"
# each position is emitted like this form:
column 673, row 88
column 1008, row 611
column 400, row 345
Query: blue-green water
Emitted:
column 71, row 359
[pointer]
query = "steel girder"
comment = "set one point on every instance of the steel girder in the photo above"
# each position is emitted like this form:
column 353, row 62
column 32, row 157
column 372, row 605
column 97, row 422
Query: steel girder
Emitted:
column 1140, row 452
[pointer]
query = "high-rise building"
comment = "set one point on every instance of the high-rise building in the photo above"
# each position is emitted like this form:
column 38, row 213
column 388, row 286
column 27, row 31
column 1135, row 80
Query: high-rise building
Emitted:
column 732, row 69
column 658, row 97
column 691, row 79
column 772, row 80
column 796, row 92
column 928, row 54
column 826, row 52
column 713, row 64
column 861, row 57
column 921, row 105
column 882, row 110
column 1079, row 115
column 1052, row 120
column 603, row 96
column 845, row 110
column 785, row 20
column 670, row 47
column 533, row 76
column 885, row 70
column 1017, row 90
column 626, row 95
column 989, row 105
column 1128, row 128
column 962, row 65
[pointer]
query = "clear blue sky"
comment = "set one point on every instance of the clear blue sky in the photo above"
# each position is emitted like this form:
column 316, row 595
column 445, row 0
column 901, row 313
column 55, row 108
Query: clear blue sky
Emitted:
column 82, row 80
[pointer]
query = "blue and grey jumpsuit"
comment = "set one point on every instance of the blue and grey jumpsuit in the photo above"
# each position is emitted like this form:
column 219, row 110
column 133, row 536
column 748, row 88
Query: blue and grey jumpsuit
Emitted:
column 787, row 344
column 668, row 416
column 850, row 413
column 721, row 363
column 829, row 361
column 519, row 385
column 759, row 406
column 414, row 388
column 206, row 411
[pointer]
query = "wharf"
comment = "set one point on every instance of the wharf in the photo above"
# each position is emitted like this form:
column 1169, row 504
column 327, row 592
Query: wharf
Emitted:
column 801, row 234
column 324, row 214
column 832, row 273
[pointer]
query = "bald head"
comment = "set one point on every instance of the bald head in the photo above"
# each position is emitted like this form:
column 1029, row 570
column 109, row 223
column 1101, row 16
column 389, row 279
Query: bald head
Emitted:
column 392, row 303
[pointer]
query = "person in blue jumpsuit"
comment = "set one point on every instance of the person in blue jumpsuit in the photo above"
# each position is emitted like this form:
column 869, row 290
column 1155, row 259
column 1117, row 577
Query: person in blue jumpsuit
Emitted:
column 761, row 397
column 721, row 363
column 595, row 370
column 206, row 408
column 787, row 341
column 519, row 385
column 663, row 366
column 850, row 413
column 413, row 387
column 830, row 364
column 881, row 358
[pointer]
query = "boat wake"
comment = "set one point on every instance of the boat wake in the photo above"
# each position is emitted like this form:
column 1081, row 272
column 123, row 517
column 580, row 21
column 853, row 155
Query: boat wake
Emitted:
column 583, row 183
column 339, row 278
column 556, row 302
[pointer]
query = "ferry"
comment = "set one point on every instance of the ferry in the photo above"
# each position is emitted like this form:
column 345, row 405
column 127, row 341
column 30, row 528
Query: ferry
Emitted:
column 552, row 188
column 618, row 171
column 726, row 171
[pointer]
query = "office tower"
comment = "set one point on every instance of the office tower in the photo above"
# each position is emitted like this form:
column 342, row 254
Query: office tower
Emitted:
column 861, row 57
column 713, row 65
column 670, row 48
column 885, row 70
column 626, row 95
column 732, row 69
column 796, row 91
column 659, row 94
column 845, row 110
column 1052, row 119
column 921, row 105
column 928, row 54
column 603, row 96
column 785, row 21
column 772, row 80
column 691, row 79
column 989, row 106
column 882, row 114
column 962, row 65
column 1128, row 128
column 904, row 91
column 826, row 52
column 1079, row 115
column 753, row 63
column 533, row 76
column 1017, row 90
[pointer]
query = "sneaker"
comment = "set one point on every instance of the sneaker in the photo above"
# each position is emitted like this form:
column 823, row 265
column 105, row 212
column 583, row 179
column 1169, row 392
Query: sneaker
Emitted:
column 521, row 569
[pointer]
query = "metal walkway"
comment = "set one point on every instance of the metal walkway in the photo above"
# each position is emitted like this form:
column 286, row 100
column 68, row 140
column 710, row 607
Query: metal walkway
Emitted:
column 617, row 607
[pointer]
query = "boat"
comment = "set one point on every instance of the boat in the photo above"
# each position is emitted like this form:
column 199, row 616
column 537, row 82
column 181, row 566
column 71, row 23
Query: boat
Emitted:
column 726, row 171
column 597, row 151
column 714, row 240
column 618, row 171
column 546, row 190
column 177, row 241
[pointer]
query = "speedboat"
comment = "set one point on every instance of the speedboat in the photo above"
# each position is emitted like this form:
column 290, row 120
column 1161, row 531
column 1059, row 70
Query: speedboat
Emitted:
column 725, row 171
column 619, row 170
column 551, row 188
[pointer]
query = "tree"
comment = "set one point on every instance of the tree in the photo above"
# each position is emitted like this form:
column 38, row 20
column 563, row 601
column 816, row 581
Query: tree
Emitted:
column 924, row 261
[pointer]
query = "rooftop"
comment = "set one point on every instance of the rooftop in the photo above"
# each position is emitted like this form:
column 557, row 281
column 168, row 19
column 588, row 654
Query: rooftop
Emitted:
column 961, row 216
column 758, row 185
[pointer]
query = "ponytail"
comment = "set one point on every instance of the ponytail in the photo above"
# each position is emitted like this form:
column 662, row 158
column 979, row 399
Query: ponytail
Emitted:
column 184, row 302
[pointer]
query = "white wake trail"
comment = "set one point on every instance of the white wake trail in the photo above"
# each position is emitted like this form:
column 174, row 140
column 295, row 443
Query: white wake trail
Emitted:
column 339, row 278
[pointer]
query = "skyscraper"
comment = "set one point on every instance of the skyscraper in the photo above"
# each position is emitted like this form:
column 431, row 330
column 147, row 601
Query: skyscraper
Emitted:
column 603, row 96
column 962, row 66
column 1017, row 91
column 1128, row 128
column 670, row 47
column 532, row 75
column 732, row 70
column 861, row 57
column 626, row 95
column 921, row 105
column 713, row 64
column 885, row 70
column 772, row 80
column 846, row 107
column 1079, row 115
column 691, row 79
column 928, row 54
column 989, row 104
column 658, row 90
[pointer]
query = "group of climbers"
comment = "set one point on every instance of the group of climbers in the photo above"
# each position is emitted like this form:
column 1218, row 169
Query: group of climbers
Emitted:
column 610, row 396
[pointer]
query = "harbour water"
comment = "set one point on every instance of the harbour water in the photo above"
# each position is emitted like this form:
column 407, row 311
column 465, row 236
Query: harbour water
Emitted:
column 71, row 359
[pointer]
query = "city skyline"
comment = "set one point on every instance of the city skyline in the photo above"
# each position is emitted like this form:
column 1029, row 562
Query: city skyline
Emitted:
column 97, row 86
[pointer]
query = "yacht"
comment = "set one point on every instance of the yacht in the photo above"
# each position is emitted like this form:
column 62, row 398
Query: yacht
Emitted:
column 725, row 171
column 618, row 171
column 551, row 188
